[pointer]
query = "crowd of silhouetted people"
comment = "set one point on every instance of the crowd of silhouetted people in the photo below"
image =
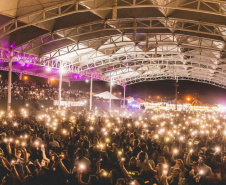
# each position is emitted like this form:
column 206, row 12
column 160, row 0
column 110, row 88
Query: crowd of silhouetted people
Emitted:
column 98, row 148
column 25, row 90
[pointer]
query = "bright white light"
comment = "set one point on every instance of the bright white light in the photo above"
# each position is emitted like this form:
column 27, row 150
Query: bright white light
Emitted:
column 87, row 80
column 181, row 138
column 48, row 69
column 221, row 108
column 62, row 70
column 217, row 149
column 175, row 151
column 164, row 172
column 112, row 84
column 82, row 166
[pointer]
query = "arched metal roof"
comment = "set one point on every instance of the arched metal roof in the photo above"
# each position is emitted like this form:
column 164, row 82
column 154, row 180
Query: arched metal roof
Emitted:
column 128, row 41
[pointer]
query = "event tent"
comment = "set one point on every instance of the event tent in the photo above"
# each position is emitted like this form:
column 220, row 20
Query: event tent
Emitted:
column 140, row 100
column 130, row 99
column 106, row 95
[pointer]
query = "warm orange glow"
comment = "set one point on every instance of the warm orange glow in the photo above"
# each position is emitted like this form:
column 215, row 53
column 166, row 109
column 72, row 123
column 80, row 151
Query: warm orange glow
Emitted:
column 188, row 99
column 25, row 78
column 52, row 79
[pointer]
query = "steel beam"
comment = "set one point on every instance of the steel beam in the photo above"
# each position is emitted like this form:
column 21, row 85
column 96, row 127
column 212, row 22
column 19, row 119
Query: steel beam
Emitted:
column 163, row 77
column 121, row 24
column 10, row 83
column 110, row 106
column 21, row 76
column 91, row 93
column 60, row 84
column 124, row 96
column 117, row 42
column 167, row 76
column 176, row 93
column 35, row 18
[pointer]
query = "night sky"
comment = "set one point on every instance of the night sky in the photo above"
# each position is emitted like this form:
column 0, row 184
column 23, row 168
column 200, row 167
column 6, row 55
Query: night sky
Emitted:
column 206, row 93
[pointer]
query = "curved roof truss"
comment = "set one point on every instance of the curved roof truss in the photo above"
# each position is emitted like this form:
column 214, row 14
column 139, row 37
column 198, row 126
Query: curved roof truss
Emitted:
column 127, row 41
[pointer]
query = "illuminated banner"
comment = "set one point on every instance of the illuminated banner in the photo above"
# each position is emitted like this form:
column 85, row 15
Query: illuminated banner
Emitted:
column 70, row 103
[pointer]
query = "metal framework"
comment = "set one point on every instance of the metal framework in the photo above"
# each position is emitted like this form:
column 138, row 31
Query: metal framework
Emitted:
column 146, row 24
column 109, row 45
column 35, row 18
column 158, row 40
column 162, row 77
column 91, row 93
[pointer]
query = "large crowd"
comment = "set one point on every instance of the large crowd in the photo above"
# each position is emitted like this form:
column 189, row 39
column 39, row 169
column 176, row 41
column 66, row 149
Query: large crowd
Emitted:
column 98, row 148
column 28, row 90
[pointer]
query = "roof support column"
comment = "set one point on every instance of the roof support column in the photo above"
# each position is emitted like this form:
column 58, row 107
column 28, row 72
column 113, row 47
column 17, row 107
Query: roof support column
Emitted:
column 111, row 84
column 21, row 76
column 60, row 85
column 176, row 85
column 10, row 82
column 91, row 93
column 124, row 97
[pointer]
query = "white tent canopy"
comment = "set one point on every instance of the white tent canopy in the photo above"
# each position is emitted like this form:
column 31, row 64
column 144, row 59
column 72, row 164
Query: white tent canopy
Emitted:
column 130, row 99
column 106, row 95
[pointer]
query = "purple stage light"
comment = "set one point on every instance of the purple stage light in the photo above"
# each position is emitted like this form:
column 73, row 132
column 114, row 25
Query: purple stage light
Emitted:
column 12, row 45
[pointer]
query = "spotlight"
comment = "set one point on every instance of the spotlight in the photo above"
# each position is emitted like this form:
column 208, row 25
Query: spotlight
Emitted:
column 48, row 69
column 63, row 70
